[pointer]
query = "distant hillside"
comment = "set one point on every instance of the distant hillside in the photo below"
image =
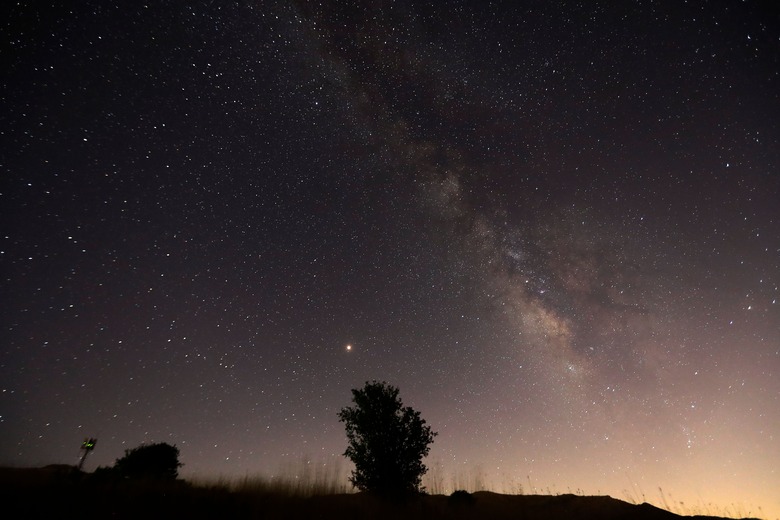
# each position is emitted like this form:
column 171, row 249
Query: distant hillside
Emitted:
column 62, row 492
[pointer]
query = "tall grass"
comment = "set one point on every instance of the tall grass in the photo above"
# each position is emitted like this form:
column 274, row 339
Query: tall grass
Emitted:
column 305, row 489
column 308, row 478
column 701, row 508
column 304, row 478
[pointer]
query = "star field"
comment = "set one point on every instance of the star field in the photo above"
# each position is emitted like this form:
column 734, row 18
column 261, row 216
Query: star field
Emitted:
column 553, row 225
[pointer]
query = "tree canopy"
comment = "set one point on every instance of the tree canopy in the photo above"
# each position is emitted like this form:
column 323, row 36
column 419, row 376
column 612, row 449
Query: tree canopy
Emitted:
column 386, row 440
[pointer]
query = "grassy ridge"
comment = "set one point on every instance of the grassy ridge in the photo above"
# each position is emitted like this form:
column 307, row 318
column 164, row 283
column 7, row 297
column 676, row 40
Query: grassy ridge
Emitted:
column 59, row 492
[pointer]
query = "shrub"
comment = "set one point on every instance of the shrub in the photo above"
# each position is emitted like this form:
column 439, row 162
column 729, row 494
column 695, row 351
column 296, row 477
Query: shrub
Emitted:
column 460, row 497
column 150, row 461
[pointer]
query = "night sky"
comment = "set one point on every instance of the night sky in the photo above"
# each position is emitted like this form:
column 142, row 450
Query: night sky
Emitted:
column 555, row 226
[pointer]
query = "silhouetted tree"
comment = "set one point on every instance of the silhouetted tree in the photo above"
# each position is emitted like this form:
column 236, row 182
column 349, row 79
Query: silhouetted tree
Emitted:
column 387, row 441
column 157, row 461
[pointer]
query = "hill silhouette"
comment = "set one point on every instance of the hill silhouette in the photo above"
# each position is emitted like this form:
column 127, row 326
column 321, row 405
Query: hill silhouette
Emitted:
column 63, row 492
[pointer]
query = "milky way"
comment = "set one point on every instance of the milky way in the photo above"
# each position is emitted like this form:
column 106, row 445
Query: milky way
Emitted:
column 554, row 226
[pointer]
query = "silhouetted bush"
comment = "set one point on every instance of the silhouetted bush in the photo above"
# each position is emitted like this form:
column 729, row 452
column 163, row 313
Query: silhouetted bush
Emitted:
column 460, row 497
column 387, row 441
column 149, row 461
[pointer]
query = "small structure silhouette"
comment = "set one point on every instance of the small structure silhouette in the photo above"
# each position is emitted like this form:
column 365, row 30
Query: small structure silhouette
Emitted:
column 87, row 446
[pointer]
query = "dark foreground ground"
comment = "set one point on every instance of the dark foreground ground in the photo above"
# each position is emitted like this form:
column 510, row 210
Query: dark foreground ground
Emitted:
column 55, row 493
